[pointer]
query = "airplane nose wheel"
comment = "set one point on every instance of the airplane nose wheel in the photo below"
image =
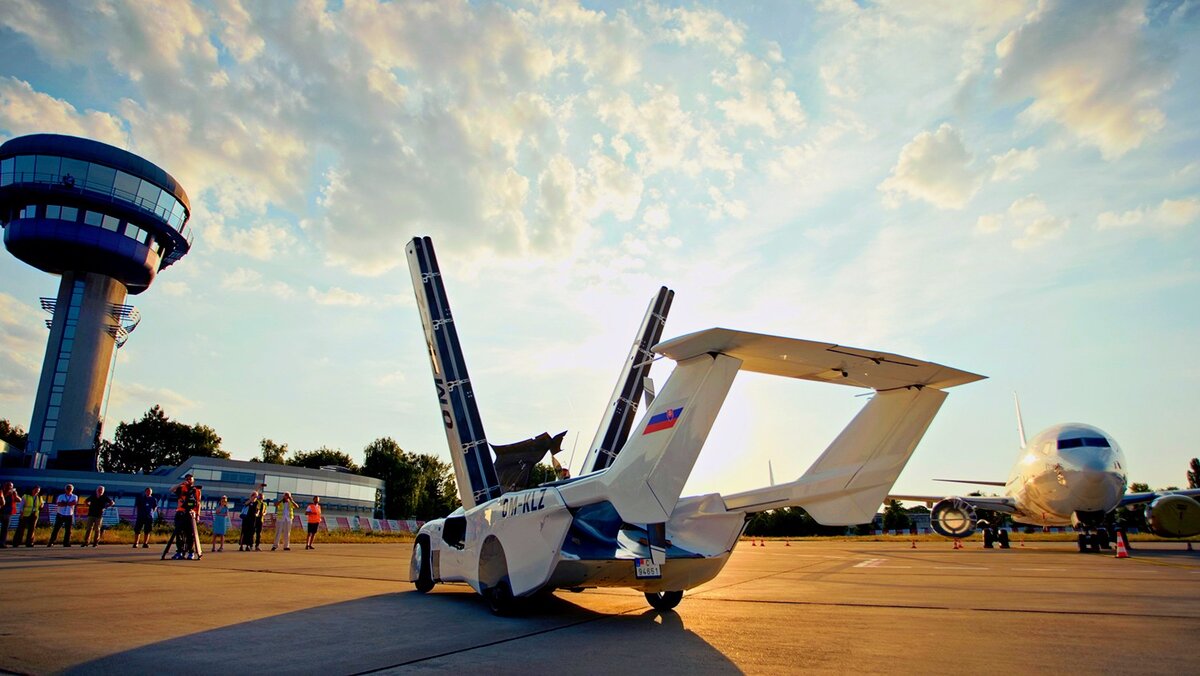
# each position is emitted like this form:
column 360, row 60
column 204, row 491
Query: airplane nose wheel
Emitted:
column 664, row 600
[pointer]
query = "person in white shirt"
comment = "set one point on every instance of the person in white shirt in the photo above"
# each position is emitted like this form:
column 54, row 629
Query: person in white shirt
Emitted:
column 64, row 516
column 285, row 509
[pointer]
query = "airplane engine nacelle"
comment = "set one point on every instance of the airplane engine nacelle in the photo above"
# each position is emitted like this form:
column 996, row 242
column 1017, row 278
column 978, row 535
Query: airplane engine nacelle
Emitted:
column 953, row 518
column 1174, row 516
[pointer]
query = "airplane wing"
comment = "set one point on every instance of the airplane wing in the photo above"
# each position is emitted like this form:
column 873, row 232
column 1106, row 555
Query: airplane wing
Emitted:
column 1150, row 496
column 1005, row 505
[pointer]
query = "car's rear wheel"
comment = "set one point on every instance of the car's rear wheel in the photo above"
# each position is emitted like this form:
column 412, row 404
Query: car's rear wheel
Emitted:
column 665, row 600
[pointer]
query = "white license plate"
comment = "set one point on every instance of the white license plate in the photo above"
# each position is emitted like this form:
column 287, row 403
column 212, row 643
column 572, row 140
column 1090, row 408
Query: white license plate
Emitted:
column 646, row 569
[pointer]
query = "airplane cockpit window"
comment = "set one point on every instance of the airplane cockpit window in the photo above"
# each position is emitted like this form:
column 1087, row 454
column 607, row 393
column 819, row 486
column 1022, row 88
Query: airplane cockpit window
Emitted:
column 1095, row 442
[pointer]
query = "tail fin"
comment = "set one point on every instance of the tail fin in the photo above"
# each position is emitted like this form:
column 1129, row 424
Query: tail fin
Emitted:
column 1020, row 423
column 623, row 406
column 473, row 467
column 846, row 485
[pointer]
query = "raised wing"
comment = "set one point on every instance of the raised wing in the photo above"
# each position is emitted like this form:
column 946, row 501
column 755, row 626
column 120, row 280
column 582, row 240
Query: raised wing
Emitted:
column 813, row 360
column 976, row 483
column 1150, row 496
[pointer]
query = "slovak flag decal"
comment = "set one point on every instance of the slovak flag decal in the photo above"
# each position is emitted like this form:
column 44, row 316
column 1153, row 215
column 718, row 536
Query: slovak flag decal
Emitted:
column 663, row 421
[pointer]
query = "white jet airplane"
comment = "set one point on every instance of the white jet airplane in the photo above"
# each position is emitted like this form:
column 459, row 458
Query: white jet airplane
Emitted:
column 624, row 524
column 1068, row 475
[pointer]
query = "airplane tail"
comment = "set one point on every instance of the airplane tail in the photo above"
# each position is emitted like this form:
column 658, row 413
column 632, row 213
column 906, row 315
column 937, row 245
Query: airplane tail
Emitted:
column 1020, row 423
column 474, row 470
column 623, row 406
column 846, row 485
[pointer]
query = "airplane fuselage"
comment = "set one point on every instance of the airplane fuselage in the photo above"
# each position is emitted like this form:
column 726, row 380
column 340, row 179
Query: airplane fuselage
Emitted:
column 1069, row 474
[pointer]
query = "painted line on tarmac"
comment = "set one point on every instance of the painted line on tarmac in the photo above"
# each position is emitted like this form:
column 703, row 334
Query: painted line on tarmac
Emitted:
column 1042, row 611
column 1042, row 569
column 962, row 568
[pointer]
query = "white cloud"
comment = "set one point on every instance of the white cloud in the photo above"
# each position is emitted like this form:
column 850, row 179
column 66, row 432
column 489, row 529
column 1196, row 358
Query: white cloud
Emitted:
column 337, row 296
column 25, row 111
column 247, row 280
column 1170, row 214
column 1028, row 219
column 22, row 343
column 261, row 242
column 1094, row 68
column 1013, row 164
column 935, row 167
column 136, row 395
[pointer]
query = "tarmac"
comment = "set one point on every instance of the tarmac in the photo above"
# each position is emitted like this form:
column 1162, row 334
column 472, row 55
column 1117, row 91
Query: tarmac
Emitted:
column 811, row 606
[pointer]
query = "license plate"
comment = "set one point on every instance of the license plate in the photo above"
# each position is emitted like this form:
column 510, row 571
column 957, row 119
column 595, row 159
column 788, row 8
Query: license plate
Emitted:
column 646, row 569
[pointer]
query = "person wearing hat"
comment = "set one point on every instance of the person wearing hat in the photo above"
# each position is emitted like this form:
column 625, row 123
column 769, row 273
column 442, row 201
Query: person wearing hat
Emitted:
column 285, row 510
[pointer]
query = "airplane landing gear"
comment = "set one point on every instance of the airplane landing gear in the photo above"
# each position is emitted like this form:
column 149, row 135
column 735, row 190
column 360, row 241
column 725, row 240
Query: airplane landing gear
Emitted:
column 664, row 600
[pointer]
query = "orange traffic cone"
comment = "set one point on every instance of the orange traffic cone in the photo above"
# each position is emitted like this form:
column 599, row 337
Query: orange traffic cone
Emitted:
column 914, row 544
column 1122, row 552
column 787, row 543
column 753, row 543
column 958, row 544
column 762, row 542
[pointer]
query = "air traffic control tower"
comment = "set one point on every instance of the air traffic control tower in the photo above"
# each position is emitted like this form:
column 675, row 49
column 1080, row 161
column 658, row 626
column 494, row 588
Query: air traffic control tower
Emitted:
column 106, row 221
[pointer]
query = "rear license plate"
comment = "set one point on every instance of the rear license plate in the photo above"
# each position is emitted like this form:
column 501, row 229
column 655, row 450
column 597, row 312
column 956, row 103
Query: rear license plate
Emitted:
column 646, row 569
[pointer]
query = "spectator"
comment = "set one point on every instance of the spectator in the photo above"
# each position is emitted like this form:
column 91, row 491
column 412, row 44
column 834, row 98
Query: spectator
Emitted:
column 144, row 507
column 31, row 509
column 64, row 516
column 314, row 520
column 285, row 509
column 187, row 514
column 96, row 505
column 252, row 513
column 9, row 499
column 220, row 524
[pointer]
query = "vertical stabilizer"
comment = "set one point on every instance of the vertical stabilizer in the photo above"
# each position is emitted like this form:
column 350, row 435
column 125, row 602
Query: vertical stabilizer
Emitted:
column 623, row 406
column 473, row 467
column 1020, row 423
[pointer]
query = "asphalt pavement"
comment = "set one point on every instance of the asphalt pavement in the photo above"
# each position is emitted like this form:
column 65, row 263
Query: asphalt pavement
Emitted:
column 812, row 607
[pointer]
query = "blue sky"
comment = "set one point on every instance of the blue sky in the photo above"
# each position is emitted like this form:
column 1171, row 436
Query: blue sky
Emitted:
column 1011, row 188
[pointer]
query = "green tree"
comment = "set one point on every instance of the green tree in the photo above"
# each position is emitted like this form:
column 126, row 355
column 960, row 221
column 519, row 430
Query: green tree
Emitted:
column 894, row 516
column 415, row 485
column 13, row 434
column 1193, row 474
column 155, row 441
column 322, row 457
column 272, row 452
column 1138, row 487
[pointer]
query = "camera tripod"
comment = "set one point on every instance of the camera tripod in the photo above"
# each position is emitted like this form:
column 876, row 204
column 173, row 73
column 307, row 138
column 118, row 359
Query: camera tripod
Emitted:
column 192, row 535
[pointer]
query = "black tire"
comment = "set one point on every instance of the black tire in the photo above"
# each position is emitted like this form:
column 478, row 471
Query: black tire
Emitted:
column 424, row 581
column 1083, row 542
column 989, row 537
column 500, row 599
column 1103, row 539
column 1002, row 537
column 664, row 600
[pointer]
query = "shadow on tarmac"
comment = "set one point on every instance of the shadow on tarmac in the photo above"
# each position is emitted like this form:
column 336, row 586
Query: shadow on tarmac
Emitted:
column 449, row 629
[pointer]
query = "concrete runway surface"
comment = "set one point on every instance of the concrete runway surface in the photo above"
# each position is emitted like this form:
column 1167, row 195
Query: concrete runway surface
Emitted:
column 823, row 607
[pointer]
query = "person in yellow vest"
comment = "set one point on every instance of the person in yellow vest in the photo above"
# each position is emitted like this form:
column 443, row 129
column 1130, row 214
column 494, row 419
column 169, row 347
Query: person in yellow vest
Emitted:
column 285, row 509
column 313, row 511
column 31, row 506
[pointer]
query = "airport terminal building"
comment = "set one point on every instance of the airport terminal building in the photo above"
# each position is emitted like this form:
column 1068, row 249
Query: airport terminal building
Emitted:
column 342, row 493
